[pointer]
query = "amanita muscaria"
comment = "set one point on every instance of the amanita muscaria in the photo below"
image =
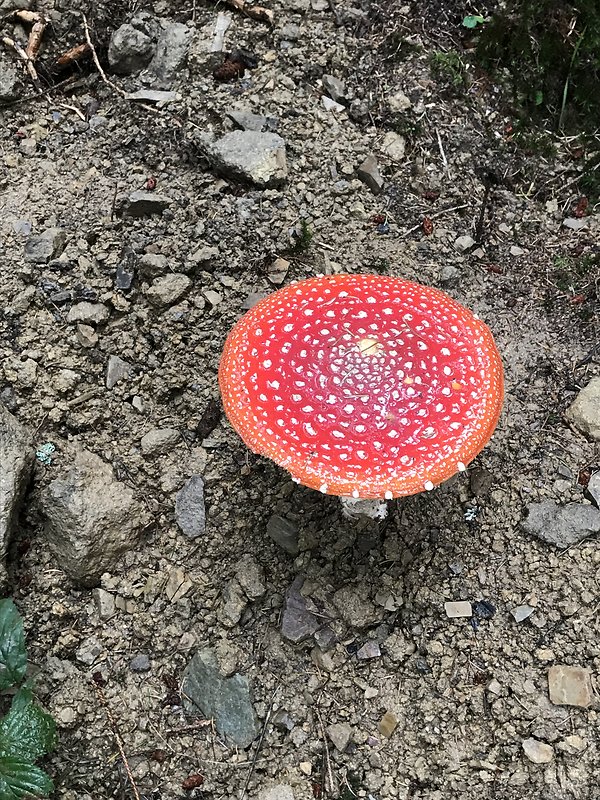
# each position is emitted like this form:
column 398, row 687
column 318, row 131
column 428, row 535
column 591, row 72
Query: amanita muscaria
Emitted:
column 363, row 386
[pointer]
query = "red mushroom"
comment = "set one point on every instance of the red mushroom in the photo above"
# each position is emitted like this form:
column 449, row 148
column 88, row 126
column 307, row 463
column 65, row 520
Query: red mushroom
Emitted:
column 361, row 385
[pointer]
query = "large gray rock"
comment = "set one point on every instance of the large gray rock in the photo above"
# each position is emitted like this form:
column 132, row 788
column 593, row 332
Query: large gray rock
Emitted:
column 91, row 518
column 249, row 156
column 190, row 513
column 562, row 526
column 226, row 700
column 171, row 54
column 16, row 460
column 48, row 245
column 584, row 412
column 129, row 50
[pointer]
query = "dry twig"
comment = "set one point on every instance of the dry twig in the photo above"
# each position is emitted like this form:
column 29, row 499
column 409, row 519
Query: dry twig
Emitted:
column 24, row 57
column 103, row 74
column 73, row 55
column 118, row 738
column 263, row 733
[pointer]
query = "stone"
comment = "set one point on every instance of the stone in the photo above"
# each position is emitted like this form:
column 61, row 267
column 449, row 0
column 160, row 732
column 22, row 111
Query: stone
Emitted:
column 143, row 204
column 140, row 663
column 214, row 298
column 398, row 102
column 355, row 610
column 89, row 650
column 16, row 462
column 569, row 686
column 48, row 245
column 91, row 518
column 247, row 120
column 464, row 243
column 225, row 700
column 572, row 745
column 249, row 156
column 458, row 608
column 285, row 533
column 190, row 512
column 339, row 734
column 298, row 622
column 515, row 250
column 387, row 724
column 450, row 275
column 370, row 649
column 159, row 441
column 279, row 792
column 397, row 647
column 561, row 526
column 334, row 88
column 21, row 373
column 105, row 603
column 234, row 602
column 129, row 50
column 151, row 265
column 584, row 412
column 117, row 370
column 330, row 105
column 170, row 55
column 368, row 173
column 157, row 96
column 521, row 613
column 88, row 313
column 86, row 336
column 322, row 660
column 575, row 223
column 394, row 146
column 537, row 752
column 251, row 577
column 10, row 82
column 592, row 490
column 168, row 289
column 277, row 271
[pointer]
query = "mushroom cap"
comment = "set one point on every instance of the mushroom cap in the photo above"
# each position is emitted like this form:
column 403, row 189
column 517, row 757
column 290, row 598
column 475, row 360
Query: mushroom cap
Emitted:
column 363, row 385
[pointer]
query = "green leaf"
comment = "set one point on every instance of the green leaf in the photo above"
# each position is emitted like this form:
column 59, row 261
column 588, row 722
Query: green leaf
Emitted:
column 13, row 657
column 19, row 779
column 539, row 97
column 472, row 21
column 26, row 732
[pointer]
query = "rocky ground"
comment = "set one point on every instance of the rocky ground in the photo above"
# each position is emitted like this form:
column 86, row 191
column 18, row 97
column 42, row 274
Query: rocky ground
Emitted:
column 449, row 651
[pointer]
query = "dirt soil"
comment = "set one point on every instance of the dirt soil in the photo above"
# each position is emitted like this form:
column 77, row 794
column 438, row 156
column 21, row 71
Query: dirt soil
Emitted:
column 465, row 692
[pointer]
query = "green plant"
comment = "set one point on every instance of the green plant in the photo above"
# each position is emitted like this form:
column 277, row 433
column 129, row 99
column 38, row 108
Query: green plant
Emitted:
column 548, row 54
column 26, row 732
column 449, row 67
column 473, row 20
column 302, row 237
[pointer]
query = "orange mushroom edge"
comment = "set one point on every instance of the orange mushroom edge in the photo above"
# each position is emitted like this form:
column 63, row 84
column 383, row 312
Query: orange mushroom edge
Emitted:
column 363, row 386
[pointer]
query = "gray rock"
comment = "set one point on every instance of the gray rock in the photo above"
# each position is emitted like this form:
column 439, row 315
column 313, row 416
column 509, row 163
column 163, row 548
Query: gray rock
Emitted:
column 159, row 441
column 168, row 289
column 515, row 250
column 116, row 370
column 584, row 412
column 234, row 602
column 91, row 519
column 153, row 96
column 521, row 613
column 248, row 121
column 398, row 103
column 537, row 752
column 105, row 603
column 291, row 32
column 562, row 526
column 249, row 156
column 398, row 648
column 284, row 532
column 570, row 686
column 394, row 146
column 298, row 623
column 575, row 223
column 340, row 734
column 143, row 204
column 88, row 313
column 370, row 649
column 140, row 663
column 202, row 257
column 592, row 490
column 129, row 50
column 251, row 577
column 226, row 700
column 151, row 265
column 355, row 610
column 190, row 513
column 334, row 88
column 48, row 245
column 16, row 461
column 8, row 6
column 368, row 173
column 170, row 55
column 450, row 275
column 464, row 243
column 9, row 80
column 281, row 791
column 331, row 105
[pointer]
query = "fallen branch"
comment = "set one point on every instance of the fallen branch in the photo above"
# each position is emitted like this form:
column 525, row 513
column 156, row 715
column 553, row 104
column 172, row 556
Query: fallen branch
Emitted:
column 35, row 38
column 258, row 13
column 24, row 57
column 103, row 74
column 72, row 56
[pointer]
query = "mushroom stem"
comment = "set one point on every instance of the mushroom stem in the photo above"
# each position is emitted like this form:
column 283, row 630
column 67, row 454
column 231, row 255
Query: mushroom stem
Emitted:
column 354, row 508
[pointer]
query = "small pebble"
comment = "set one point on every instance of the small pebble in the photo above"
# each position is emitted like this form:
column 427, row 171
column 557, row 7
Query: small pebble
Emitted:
column 569, row 686
column 140, row 663
column 537, row 752
column 387, row 724
column 459, row 608
column 521, row 613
